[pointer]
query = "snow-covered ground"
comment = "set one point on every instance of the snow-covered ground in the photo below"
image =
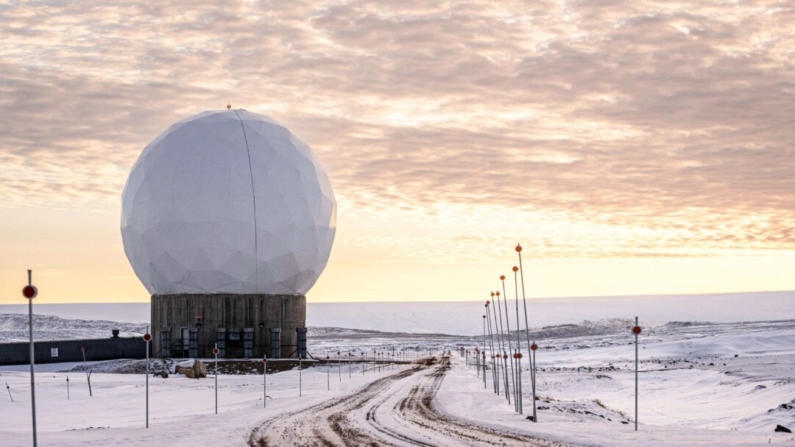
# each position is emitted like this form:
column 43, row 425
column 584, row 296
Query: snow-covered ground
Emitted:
column 182, row 411
column 705, row 384
column 700, row 384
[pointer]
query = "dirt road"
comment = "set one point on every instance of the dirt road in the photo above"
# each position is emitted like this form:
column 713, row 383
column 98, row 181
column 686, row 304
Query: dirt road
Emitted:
column 396, row 410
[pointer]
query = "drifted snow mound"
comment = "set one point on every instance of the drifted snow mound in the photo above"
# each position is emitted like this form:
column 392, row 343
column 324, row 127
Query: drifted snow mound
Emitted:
column 228, row 202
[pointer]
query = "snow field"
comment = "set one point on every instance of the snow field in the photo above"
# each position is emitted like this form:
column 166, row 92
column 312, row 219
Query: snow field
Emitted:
column 586, row 393
column 700, row 385
column 182, row 410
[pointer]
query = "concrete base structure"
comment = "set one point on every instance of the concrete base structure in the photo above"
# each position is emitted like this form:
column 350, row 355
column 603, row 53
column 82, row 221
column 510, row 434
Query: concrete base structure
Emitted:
column 243, row 326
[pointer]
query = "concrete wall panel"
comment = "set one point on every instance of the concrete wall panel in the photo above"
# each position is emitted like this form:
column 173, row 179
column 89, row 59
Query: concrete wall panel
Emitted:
column 232, row 312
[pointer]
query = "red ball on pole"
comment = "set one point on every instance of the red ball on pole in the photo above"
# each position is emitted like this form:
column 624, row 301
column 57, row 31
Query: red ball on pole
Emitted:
column 30, row 292
column 636, row 330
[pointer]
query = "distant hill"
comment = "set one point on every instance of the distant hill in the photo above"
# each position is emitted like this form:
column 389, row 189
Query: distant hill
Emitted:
column 465, row 317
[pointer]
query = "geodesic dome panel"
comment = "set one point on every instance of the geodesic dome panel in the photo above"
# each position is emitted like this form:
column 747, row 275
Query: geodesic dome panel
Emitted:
column 228, row 202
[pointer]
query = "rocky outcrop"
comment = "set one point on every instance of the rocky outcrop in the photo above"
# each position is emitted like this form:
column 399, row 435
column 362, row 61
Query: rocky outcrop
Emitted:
column 193, row 369
column 199, row 369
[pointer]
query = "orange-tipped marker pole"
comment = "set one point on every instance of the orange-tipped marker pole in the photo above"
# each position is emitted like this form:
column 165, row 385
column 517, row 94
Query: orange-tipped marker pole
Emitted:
column 502, row 348
column 497, row 346
column 484, row 351
column 512, row 380
column 494, row 381
column 532, row 358
column 518, row 387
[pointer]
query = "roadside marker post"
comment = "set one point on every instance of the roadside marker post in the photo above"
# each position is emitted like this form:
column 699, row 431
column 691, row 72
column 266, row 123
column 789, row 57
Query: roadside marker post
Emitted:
column 636, row 330
column 9, row 392
column 88, row 373
column 67, row 388
column 518, row 386
column 215, row 353
column 328, row 374
column 527, row 333
column 264, row 382
column 507, row 337
column 484, row 369
column 484, row 351
column 505, row 361
column 30, row 291
column 493, row 370
column 533, row 349
column 339, row 365
column 495, row 374
column 501, row 339
column 147, row 339
column 520, row 399
column 300, row 368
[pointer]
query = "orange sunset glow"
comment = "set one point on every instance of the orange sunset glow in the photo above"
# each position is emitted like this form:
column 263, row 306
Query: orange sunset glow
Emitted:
column 637, row 148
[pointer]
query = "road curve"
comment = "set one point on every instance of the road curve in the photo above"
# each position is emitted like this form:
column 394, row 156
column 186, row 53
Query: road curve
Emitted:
column 396, row 410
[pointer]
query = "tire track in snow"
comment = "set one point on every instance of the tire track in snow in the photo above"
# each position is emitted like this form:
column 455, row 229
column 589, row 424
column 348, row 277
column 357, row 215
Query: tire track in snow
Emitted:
column 416, row 409
column 327, row 423
column 396, row 410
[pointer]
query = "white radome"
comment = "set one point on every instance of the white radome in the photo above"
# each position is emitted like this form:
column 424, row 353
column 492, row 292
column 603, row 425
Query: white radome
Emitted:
column 228, row 202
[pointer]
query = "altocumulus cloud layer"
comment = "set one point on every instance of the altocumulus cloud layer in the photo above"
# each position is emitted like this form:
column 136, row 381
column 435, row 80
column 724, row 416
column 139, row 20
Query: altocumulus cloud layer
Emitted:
column 583, row 128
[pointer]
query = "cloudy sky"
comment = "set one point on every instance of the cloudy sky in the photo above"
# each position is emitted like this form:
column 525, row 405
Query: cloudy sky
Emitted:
column 631, row 147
